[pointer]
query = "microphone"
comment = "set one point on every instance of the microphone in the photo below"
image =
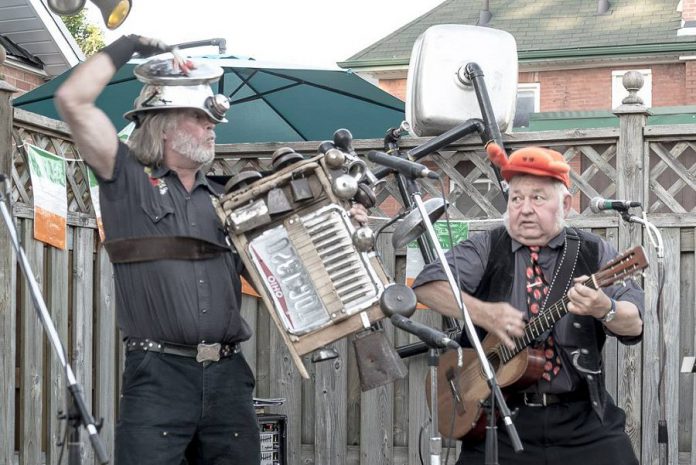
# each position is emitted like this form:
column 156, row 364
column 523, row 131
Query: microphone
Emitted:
column 431, row 337
column 598, row 204
column 408, row 168
column 398, row 300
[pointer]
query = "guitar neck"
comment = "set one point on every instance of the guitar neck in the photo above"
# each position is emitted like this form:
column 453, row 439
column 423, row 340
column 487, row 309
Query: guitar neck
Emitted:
column 537, row 326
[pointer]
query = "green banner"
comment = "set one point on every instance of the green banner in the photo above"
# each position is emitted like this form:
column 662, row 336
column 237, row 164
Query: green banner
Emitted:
column 460, row 231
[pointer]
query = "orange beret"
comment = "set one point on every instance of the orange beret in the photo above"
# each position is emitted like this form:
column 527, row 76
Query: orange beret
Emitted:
column 537, row 161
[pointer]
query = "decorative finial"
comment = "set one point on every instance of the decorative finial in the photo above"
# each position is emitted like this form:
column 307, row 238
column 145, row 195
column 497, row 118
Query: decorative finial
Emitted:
column 633, row 82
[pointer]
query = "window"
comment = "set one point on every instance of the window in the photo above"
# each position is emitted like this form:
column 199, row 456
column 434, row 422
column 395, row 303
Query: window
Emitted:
column 527, row 103
column 619, row 92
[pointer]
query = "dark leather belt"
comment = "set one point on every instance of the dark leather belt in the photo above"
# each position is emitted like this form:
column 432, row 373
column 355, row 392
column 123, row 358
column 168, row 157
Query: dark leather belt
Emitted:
column 201, row 352
column 533, row 399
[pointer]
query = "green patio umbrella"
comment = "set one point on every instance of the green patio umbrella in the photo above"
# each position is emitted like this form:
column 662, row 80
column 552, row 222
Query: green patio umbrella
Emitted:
column 269, row 102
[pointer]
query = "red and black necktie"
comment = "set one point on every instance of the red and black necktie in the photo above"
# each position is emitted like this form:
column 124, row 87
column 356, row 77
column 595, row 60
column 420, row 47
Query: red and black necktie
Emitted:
column 537, row 290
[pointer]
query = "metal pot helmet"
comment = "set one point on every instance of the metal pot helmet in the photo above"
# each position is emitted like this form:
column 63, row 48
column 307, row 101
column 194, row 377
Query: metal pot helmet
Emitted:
column 167, row 88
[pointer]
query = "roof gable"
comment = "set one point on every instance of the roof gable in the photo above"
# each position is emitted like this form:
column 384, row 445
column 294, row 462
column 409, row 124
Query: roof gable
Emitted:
column 544, row 25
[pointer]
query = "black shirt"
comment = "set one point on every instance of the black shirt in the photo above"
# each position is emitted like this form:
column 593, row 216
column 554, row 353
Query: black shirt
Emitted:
column 181, row 301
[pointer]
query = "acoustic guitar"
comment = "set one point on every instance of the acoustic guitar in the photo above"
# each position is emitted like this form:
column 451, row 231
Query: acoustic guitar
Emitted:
column 461, row 391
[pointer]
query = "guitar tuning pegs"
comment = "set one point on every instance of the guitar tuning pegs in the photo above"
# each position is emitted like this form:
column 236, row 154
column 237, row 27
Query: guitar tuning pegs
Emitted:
column 623, row 282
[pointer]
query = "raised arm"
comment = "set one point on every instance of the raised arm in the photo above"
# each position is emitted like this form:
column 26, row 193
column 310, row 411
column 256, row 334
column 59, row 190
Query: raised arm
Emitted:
column 91, row 129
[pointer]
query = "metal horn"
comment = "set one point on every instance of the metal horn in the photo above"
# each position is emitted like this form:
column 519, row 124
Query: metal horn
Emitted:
column 66, row 7
column 411, row 227
column 356, row 168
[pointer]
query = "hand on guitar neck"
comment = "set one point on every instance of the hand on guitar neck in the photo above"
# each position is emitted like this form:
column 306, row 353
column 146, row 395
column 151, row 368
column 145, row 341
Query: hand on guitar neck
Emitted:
column 585, row 300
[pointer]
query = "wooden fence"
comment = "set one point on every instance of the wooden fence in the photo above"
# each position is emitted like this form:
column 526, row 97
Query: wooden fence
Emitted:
column 329, row 420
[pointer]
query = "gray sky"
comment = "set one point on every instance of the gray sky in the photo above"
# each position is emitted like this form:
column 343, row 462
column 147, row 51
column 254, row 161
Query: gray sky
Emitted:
column 311, row 32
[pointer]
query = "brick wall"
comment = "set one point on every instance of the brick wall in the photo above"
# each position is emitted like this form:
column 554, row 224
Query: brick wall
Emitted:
column 590, row 89
column 689, row 10
column 690, row 82
column 396, row 87
column 23, row 80
column 571, row 90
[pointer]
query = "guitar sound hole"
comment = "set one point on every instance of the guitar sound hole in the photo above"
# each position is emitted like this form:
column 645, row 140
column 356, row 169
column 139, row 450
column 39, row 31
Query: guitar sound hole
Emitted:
column 494, row 359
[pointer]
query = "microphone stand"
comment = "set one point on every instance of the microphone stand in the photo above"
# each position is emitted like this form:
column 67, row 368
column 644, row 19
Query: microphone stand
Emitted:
column 77, row 409
column 488, row 131
column 655, row 239
column 496, row 393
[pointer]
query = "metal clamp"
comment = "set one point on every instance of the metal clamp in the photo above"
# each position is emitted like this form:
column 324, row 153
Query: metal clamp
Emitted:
column 576, row 364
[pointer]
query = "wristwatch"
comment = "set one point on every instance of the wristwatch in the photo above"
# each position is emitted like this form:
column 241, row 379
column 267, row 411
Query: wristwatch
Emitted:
column 611, row 313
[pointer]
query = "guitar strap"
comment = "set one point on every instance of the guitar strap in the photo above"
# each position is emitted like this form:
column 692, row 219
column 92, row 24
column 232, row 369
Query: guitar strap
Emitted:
column 563, row 277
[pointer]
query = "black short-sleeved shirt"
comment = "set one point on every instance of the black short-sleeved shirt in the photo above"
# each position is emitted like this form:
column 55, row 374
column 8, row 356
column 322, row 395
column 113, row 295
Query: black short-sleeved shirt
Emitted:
column 181, row 301
column 472, row 260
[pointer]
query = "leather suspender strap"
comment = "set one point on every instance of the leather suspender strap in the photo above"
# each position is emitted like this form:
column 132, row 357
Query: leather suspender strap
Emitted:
column 145, row 249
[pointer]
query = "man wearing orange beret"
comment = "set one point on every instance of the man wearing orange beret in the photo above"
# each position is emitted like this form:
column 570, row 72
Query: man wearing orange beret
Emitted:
column 508, row 276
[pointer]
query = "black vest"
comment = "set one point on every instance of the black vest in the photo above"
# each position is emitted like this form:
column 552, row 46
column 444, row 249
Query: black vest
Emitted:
column 496, row 286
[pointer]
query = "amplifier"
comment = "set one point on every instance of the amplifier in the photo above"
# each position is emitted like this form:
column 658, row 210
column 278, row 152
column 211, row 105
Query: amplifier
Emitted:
column 273, row 439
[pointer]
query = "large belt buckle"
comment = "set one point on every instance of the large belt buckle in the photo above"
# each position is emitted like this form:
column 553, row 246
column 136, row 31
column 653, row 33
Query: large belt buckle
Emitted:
column 208, row 352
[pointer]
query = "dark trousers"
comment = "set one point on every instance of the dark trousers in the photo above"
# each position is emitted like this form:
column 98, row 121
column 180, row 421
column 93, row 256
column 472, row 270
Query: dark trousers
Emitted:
column 171, row 406
column 566, row 433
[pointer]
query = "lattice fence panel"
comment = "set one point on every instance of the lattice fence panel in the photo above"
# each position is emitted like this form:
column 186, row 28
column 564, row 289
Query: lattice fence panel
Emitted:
column 473, row 191
column 672, row 177
column 77, row 185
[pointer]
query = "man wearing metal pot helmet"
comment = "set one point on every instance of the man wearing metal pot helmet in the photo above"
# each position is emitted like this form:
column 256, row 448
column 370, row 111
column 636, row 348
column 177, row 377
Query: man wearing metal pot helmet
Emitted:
column 185, row 383
column 508, row 275
column 186, row 390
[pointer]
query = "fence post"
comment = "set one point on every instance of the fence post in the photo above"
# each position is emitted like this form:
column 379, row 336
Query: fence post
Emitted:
column 7, row 290
column 630, row 184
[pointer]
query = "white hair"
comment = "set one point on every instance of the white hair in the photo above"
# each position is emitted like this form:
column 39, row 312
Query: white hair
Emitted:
column 147, row 140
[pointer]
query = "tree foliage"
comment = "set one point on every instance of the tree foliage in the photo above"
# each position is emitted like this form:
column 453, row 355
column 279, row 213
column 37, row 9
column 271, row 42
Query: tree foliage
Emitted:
column 88, row 36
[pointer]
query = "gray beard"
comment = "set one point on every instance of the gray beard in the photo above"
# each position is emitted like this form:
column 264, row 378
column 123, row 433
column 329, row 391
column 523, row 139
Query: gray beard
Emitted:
column 191, row 149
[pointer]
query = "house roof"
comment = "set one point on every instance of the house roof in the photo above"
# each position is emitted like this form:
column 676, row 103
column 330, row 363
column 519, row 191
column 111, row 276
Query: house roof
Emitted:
column 549, row 29
column 563, row 120
column 18, row 53
column 31, row 26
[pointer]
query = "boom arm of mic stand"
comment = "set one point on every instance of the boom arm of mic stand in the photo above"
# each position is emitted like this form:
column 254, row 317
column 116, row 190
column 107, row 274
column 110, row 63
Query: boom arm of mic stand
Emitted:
column 44, row 316
column 446, row 138
column 470, row 330
column 436, row 143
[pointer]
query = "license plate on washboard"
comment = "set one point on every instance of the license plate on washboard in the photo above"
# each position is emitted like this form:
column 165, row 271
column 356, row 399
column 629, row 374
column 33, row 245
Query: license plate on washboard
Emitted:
column 313, row 272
